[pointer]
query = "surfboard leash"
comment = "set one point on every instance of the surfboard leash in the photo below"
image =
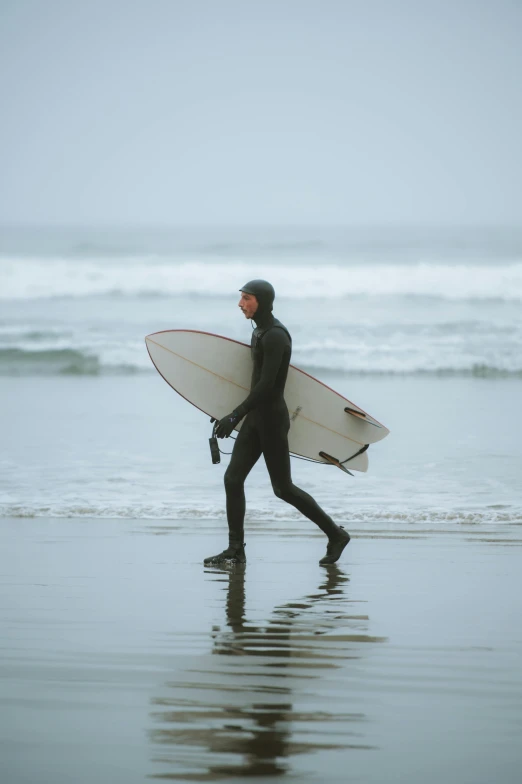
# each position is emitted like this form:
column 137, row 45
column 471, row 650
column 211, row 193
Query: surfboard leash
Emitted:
column 363, row 449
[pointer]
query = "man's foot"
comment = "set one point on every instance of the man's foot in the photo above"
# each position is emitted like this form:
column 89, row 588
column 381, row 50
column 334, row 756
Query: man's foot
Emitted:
column 335, row 547
column 232, row 555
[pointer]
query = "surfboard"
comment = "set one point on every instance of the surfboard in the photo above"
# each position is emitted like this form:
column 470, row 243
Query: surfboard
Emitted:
column 214, row 374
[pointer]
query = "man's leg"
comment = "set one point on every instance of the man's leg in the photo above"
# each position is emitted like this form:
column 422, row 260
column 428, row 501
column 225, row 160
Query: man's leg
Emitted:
column 274, row 443
column 245, row 454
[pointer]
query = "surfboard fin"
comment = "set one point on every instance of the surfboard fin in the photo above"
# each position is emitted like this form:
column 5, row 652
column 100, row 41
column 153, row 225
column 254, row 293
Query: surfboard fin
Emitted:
column 334, row 461
column 360, row 415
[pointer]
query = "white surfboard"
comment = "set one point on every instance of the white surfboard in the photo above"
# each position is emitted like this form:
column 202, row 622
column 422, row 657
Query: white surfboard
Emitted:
column 214, row 374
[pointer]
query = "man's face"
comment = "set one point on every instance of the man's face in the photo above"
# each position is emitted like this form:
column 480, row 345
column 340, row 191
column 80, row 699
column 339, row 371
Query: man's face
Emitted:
column 248, row 304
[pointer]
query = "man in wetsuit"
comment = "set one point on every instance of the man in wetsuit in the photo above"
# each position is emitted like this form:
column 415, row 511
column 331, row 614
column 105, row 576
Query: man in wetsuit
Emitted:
column 265, row 431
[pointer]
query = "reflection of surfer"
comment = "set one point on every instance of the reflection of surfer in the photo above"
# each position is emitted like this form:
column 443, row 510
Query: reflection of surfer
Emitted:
column 263, row 743
column 265, row 430
column 264, row 739
column 245, row 714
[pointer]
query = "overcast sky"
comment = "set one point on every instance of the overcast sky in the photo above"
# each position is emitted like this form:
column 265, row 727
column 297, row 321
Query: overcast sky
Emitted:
column 261, row 112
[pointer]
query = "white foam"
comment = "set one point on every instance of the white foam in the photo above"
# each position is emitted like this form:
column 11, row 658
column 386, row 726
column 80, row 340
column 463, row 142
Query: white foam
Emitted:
column 26, row 278
column 360, row 516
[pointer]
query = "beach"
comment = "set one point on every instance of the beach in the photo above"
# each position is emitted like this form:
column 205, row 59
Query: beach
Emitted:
column 124, row 659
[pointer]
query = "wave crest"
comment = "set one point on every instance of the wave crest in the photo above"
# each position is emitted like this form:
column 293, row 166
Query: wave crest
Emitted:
column 34, row 278
column 74, row 361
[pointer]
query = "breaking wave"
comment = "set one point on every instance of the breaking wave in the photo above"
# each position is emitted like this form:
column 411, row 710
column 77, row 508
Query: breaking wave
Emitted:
column 77, row 362
column 36, row 278
column 68, row 361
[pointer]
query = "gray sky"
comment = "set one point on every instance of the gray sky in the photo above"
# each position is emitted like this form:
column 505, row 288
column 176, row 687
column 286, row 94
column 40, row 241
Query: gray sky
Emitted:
column 261, row 112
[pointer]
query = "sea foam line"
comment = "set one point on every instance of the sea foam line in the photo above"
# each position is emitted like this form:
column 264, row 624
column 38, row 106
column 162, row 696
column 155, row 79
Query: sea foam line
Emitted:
column 33, row 278
column 368, row 515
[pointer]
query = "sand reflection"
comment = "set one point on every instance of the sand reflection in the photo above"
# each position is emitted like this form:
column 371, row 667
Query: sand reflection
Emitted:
column 259, row 699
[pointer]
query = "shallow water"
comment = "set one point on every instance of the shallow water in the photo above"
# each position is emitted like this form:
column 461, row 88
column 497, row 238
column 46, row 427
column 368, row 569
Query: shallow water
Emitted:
column 131, row 447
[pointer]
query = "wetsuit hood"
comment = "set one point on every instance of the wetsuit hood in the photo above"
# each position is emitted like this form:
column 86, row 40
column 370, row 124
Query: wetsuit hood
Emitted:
column 264, row 292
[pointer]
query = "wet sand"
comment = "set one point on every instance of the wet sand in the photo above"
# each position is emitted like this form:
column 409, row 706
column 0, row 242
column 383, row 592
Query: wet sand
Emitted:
column 125, row 660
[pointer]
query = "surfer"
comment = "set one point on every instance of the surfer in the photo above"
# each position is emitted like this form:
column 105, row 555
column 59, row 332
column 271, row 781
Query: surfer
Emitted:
column 265, row 431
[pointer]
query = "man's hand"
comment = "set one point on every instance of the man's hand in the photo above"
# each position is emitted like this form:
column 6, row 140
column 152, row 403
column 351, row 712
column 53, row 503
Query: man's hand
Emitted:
column 226, row 425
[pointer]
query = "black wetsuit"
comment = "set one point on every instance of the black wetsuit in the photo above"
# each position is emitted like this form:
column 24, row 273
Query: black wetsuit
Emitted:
column 265, row 431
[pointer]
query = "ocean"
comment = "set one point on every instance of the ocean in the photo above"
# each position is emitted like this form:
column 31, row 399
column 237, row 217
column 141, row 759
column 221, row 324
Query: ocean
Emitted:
column 124, row 658
column 423, row 328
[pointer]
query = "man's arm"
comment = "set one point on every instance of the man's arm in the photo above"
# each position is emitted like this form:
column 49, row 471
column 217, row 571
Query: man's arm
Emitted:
column 275, row 341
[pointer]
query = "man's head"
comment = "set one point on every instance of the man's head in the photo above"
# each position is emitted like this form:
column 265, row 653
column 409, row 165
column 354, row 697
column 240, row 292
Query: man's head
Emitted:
column 257, row 296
